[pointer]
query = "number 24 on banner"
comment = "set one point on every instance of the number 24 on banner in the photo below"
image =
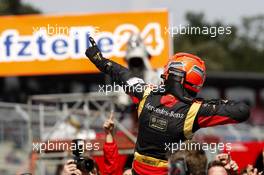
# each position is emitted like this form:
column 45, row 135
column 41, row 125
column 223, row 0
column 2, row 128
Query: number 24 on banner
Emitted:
column 151, row 35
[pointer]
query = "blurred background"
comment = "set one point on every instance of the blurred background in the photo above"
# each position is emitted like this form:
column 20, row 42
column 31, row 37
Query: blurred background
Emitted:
column 37, row 106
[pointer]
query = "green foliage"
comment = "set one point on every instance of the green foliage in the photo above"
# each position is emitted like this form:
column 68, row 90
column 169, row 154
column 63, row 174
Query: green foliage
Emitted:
column 15, row 7
column 242, row 50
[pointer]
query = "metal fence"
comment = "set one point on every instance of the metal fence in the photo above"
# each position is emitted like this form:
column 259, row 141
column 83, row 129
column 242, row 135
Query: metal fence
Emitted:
column 41, row 118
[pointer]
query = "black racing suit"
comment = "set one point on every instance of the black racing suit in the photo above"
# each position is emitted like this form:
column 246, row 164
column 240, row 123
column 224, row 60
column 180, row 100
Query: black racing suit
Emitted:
column 163, row 119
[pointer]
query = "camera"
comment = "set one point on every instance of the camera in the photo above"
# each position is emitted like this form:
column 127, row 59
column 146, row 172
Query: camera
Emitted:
column 84, row 164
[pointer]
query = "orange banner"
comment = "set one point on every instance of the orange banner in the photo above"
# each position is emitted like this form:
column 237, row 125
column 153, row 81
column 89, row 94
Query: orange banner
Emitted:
column 41, row 45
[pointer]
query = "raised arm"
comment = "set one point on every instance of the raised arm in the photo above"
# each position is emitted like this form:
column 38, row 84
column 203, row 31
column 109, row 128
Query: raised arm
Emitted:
column 111, row 156
column 118, row 73
column 220, row 112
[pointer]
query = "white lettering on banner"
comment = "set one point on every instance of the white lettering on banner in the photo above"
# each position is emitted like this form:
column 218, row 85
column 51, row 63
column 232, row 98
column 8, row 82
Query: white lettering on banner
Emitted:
column 42, row 47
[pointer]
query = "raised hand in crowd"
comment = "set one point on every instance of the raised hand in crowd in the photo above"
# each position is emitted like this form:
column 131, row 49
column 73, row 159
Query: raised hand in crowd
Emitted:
column 109, row 127
column 229, row 164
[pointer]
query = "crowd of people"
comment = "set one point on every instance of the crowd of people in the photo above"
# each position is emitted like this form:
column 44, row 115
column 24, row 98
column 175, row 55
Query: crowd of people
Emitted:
column 182, row 162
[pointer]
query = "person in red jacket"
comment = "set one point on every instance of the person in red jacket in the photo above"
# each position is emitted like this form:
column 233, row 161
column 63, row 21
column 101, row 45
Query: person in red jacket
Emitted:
column 111, row 155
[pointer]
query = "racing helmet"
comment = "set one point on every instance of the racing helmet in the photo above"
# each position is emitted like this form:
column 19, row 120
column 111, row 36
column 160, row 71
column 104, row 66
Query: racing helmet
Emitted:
column 193, row 68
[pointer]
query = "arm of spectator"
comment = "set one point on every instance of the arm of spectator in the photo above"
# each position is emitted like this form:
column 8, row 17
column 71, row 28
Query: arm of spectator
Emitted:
column 70, row 168
column 111, row 155
column 109, row 127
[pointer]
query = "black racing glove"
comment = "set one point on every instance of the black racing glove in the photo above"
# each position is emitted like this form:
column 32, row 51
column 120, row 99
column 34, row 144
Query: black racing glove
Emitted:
column 95, row 55
column 93, row 52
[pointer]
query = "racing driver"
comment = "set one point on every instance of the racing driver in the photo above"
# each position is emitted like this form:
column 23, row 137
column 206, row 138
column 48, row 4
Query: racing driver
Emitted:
column 170, row 113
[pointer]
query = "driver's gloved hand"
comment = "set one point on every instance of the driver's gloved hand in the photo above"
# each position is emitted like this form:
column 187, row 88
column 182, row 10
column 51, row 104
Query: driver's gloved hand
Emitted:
column 93, row 52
